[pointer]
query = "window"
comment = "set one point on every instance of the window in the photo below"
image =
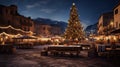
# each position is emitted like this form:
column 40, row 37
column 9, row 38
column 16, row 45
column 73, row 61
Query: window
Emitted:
column 119, row 25
column 116, row 11
column 44, row 28
column 13, row 12
column 6, row 11
column 9, row 22
column 1, row 12
column 28, row 29
column 25, row 29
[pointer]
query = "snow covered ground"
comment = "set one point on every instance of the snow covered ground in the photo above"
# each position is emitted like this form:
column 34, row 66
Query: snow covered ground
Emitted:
column 32, row 58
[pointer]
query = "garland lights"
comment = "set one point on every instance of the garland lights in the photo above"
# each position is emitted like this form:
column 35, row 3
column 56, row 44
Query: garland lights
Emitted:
column 16, row 29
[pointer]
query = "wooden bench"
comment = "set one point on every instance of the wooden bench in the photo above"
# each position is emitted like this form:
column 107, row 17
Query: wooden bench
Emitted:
column 62, row 50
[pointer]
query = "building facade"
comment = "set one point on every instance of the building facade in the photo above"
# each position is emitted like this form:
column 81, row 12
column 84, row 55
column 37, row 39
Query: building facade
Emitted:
column 10, row 16
column 117, row 16
column 109, row 26
column 55, row 30
column 42, row 29
column 105, row 23
column 46, row 30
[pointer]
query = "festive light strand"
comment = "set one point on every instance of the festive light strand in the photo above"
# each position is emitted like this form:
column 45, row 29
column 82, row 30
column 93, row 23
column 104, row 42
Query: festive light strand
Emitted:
column 16, row 29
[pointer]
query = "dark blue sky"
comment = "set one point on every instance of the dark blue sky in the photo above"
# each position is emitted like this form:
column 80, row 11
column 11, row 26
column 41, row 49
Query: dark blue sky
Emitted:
column 89, row 10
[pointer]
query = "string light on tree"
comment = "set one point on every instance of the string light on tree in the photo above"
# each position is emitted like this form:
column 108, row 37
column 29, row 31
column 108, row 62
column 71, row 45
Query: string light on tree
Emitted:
column 74, row 30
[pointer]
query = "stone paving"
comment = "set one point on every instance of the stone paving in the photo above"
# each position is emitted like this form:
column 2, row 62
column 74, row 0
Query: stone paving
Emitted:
column 32, row 58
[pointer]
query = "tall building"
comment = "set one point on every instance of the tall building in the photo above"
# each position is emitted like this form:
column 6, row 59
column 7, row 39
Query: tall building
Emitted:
column 42, row 29
column 109, row 24
column 105, row 22
column 47, row 30
column 10, row 16
column 117, row 16
column 55, row 30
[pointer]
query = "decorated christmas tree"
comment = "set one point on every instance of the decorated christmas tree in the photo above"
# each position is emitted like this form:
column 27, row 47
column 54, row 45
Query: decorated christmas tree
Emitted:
column 74, row 30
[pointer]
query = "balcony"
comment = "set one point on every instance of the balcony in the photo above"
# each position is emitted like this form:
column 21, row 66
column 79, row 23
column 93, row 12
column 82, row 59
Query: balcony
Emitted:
column 108, row 30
